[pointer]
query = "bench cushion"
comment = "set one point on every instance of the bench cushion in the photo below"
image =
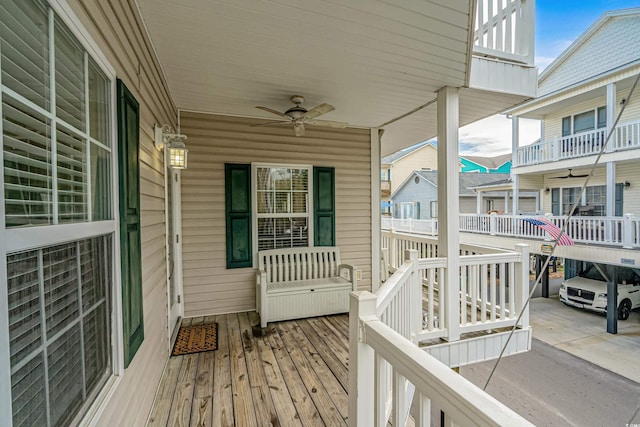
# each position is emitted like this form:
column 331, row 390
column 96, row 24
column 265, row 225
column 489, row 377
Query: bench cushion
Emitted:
column 299, row 285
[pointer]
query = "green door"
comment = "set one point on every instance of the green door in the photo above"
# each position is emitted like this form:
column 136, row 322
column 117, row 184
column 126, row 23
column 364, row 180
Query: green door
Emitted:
column 130, row 249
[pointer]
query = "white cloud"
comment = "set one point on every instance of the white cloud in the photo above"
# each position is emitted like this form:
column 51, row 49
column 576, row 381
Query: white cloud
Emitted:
column 492, row 136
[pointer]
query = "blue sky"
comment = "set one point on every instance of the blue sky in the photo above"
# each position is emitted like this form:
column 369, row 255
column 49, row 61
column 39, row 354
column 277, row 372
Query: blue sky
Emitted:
column 558, row 24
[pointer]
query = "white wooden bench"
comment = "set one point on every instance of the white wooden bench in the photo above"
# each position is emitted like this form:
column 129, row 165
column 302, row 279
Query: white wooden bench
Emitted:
column 294, row 283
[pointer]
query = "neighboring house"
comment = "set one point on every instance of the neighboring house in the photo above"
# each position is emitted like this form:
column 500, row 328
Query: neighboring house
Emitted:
column 395, row 167
column 104, row 247
column 417, row 196
column 497, row 164
column 581, row 95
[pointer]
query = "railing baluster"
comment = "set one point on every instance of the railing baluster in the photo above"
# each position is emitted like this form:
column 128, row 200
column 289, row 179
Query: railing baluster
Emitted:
column 503, row 283
column 473, row 284
column 483, row 293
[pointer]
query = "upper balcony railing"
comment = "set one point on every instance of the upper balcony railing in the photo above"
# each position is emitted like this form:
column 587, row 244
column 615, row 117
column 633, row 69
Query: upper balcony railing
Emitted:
column 609, row 231
column 581, row 145
column 504, row 29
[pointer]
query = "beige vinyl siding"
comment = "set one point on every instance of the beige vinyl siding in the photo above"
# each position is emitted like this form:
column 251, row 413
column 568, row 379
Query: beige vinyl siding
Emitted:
column 424, row 158
column 117, row 29
column 630, row 195
column 209, row 288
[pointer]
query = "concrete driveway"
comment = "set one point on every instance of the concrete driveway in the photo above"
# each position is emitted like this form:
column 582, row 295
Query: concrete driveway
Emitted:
column 583, row 334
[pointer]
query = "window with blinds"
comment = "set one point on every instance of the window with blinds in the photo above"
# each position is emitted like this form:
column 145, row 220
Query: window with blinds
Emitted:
column 59, row 330
column 282, row 204
column 57, row 155
column 56, row 152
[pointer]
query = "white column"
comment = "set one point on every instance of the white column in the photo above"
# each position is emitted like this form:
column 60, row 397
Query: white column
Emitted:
column 449, row 204
column 611, row 189
column 479, row 202
column 611, row 166
column 611, row 112
column 610, row 207
column 361, row 362
column 516, row 194
column 376, row 234
column 506, row 202
column 515, row 143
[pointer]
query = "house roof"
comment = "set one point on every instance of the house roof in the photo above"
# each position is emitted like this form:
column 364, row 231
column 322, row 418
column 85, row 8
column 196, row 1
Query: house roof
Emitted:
column 567, row 81
column 490, row 162
column 392, row 158
column 568, row 67
column 466, row 183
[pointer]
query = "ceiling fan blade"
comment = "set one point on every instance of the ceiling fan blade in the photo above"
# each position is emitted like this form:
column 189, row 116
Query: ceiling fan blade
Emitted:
column 298, row 128
column 318, row 111
column 328, row 123
column 269, row 110
column 276, row 123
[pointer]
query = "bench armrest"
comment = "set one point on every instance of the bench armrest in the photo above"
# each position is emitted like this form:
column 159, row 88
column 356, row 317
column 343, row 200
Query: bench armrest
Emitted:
column 261, row 278
column 261, row 291
column 352, row 275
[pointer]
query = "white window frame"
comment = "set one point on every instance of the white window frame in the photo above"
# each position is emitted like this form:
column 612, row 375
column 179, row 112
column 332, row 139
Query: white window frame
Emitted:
column 21, row 239
column 572, row 123
column 254, row 203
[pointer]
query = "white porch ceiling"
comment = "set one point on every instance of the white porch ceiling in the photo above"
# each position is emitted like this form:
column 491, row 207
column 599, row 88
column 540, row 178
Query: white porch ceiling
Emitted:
column 373, row 60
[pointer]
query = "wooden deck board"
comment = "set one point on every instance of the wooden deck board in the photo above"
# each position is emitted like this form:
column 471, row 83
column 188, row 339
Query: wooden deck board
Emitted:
column 243, row 405
column 222, row 390
column 294, row 374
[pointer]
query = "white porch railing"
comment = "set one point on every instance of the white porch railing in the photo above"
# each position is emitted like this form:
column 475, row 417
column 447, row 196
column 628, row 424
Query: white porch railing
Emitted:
column 611, row 231
column 504, row 30
column 626, row 136
column 387, row 368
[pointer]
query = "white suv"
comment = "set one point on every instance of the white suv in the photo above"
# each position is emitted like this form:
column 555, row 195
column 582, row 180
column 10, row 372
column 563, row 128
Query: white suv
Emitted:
column 589, row 290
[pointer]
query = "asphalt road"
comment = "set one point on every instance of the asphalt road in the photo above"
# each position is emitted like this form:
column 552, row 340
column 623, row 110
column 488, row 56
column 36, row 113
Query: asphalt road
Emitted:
column 550, row 387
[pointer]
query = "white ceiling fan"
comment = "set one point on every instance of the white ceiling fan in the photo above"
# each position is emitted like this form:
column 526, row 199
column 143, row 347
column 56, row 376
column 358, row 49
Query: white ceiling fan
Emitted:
column 300, row 116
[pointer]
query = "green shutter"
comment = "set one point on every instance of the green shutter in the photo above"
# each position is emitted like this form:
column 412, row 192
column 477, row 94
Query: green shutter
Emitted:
column 237, row 196
column 324, row 204
column 130, row 248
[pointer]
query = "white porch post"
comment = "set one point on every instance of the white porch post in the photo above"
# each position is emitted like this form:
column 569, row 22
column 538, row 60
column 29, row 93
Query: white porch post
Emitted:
column 611, row 166
column 362, row 305
column 611, row 113
column 516, row 194
column 449, row 204
column 506, row 202
column 376, row 234
column 521, row 281
column 611, row 198
column 515, row 143
column 479, row 202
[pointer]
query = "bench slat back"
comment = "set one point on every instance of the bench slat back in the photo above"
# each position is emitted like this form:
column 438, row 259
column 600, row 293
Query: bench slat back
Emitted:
column 294, row 264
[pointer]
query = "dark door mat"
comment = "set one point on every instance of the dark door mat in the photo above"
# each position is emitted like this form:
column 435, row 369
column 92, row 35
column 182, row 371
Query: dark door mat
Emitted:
column 196, row 339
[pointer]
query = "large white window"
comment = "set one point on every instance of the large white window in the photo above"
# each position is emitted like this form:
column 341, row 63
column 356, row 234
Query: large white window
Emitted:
column 56, row 153
column 283, row 213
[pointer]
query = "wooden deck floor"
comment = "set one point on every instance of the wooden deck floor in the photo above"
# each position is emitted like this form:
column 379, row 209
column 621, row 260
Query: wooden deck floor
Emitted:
column 296, row 374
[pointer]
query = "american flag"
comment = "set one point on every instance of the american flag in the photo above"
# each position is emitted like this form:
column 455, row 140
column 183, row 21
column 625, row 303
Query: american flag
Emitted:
column 552, row 229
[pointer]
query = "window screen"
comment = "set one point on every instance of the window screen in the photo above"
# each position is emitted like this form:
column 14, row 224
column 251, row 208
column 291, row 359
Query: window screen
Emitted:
column 62, row 176
column 59, row 328
column 566, row 126
column 583, row 121
column 282, row 195
column 602, row 117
